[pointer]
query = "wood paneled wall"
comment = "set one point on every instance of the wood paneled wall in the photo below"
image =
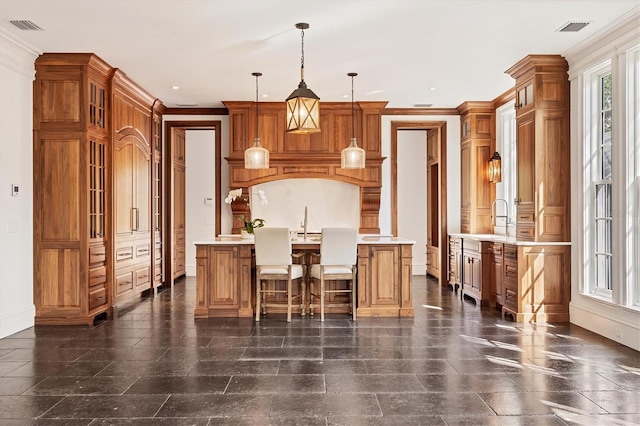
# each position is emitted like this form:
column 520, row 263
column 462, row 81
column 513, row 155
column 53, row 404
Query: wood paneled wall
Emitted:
column 315, row 155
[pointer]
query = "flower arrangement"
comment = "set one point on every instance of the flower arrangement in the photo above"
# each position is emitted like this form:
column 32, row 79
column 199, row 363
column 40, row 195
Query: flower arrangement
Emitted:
column 247, row 225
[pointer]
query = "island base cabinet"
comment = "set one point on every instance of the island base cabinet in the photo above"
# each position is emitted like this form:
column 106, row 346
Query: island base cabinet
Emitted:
column 543, row 285
column 223, row 281
column 384, row 280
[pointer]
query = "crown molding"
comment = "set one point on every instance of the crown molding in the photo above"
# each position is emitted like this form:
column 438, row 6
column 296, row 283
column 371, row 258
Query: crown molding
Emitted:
column 17, row 55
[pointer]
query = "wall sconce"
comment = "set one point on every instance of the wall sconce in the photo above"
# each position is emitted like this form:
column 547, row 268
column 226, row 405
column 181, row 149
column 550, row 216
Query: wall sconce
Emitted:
column 303, row 106
column 256, row 157
column 495, row 168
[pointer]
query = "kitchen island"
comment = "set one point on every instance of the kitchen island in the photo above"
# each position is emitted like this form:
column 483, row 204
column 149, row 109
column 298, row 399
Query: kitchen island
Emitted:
column 225, row 275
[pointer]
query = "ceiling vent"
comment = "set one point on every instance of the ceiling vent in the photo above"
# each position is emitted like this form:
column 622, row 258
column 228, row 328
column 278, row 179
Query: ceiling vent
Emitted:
column 572, row 27
column 26, row 25
column 187, row 105
column 422, row 105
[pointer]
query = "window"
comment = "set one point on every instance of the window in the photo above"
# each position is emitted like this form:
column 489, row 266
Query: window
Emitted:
column 633, row 176
column 602, row 216
column 506, row 146
column 611, row 153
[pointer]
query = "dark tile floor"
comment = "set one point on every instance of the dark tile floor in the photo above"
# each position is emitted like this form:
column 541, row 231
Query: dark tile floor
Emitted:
column 453, row 364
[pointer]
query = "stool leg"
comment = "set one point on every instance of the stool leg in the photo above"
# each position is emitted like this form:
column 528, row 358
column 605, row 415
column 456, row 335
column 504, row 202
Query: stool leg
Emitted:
column 302, row 296
column 258, row 300
column 289, row 302
column 321, row 295
column 311, row 295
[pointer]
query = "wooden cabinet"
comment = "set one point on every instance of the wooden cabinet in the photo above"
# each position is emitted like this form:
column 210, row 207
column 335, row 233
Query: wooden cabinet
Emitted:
column 71, row 190
column 537, row 284
column 478, row 138
column 510, row 280
column 455, row 263
column 496, row 273
column 225, row 284
column 134, row 246
column 179, row 202
column 157, row 224
column 475, row 271
column 542, row 150
column 433, row 252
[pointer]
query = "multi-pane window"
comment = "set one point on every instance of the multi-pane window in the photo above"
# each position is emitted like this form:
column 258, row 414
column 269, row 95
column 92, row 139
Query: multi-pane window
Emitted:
column 602, row 217
column 633, row 175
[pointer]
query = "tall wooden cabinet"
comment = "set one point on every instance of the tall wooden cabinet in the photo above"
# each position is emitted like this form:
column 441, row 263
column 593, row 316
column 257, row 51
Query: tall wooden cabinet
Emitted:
column 132, row 170
column 542, row 150
column 179, row 199
column 477, row 127
column 71, row 191
column 92, row 188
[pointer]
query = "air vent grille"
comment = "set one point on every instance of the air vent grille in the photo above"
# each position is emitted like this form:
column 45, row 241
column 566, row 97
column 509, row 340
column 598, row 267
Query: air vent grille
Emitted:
column 422, row 105
column 188, row 105
column 572, row 27
column 26, row 25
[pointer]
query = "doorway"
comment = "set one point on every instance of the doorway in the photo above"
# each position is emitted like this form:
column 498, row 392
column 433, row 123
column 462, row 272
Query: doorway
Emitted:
column 434, row 186
column 174, row 148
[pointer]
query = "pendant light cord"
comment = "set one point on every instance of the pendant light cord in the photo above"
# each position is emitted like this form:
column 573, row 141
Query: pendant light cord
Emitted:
column 353, row 132
column 302, row 57
column 257, row 105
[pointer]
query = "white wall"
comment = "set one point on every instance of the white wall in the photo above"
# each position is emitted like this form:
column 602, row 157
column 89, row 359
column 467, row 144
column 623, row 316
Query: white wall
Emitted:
column 412, row 193
column 328, row 202
column 16, row 213
column 614, row 321
column 200, row 201
column 453, row 169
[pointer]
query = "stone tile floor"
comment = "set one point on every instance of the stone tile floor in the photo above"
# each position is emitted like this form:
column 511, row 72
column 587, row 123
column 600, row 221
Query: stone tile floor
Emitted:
column 453, row 364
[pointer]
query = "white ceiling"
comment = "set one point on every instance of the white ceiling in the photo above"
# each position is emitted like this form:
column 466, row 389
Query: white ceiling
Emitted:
column 400, row 49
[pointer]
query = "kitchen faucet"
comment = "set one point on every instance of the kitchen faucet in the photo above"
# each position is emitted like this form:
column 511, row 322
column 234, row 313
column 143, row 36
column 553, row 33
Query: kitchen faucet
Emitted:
column 496, row 216
column 305, row 223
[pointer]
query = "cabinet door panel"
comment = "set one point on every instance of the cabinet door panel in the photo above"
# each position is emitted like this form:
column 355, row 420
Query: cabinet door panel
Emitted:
column 525, row 161
column 384, row 275
column 142, row 190
column 123, row 189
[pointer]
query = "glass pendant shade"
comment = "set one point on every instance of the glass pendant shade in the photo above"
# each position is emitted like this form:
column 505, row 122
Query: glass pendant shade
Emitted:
column 495, row 168
column 353, row 157
column 256, row 157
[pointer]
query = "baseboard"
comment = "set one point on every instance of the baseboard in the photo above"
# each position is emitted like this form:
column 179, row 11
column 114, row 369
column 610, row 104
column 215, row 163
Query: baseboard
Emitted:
column 18, row 320
column 605, row 325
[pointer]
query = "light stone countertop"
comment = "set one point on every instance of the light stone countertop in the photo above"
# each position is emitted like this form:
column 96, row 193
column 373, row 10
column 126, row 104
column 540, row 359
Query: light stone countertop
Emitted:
column 311, row 240
column 507, row 240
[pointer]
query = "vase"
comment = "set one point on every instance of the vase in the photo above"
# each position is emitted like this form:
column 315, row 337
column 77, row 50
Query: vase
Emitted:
column 245, row 235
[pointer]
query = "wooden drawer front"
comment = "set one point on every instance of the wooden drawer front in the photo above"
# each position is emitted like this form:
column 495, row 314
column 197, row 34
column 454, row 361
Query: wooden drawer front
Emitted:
column 97, row 298
column 465, row 217
column 511, row 296
column 97, row 254
column 510, row 252
column 496, row 249
column 179, row 265
column 524, row 234
column 510, row 271
column 124, row 253
column 465, row 227
column 142, row 276
column 124, row 282
column 524, row 218
column 455, row 243
column 97, row 276
column 471, row 245
column 158, row 251
column 157, row 273
column 142, row 250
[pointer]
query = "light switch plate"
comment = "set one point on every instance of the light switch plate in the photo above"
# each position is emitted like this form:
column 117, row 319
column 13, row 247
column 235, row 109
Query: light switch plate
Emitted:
column 14, row 190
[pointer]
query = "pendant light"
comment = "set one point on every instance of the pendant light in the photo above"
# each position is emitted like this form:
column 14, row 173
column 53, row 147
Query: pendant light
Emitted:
column 256, row 157
column 353, row 157
column 303, row 106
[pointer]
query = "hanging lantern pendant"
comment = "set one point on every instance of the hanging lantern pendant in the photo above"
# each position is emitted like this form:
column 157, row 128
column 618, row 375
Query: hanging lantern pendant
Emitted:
column 353, row 157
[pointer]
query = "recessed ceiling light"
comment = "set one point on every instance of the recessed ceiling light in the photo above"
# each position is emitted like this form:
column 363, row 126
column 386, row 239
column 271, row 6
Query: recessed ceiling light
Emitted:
column 345, row 96
column 432, row 88
column 374, row 92
column 264, row 95
column 175, row 87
